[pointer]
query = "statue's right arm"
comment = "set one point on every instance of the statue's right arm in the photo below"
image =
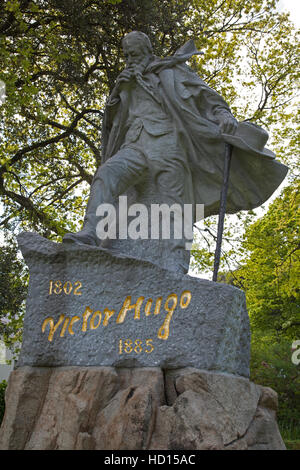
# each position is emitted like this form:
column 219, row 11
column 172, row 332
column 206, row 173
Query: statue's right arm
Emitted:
column 124, row 77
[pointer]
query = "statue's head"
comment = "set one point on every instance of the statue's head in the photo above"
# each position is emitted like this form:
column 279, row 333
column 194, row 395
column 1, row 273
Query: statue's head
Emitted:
column 137, row 48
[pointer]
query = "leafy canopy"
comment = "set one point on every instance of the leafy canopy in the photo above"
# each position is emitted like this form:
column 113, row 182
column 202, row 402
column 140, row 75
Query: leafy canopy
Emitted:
column 60, row 58
column 13, row 291
column 270, row 271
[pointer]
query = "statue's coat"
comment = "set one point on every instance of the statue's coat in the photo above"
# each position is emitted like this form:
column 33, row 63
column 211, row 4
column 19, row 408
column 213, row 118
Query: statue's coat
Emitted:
column 195, row 110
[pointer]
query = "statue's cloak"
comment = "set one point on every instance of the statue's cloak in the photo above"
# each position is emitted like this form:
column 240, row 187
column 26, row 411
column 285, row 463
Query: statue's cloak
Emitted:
column 195, row 109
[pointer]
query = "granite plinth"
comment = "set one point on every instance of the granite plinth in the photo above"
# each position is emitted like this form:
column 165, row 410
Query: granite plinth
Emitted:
column 90, row 307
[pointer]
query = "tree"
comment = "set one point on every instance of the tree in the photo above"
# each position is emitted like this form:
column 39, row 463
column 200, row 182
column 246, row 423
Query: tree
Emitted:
column 270, row 270
column 3, row 386
column 13, row 291
column 271, row 366
column 60, row 58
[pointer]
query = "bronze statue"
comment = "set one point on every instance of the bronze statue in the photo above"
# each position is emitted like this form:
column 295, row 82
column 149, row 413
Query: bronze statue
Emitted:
column 164, row 135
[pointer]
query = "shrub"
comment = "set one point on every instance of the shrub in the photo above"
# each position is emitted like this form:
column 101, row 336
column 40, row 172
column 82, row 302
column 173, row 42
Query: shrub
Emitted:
column 3, row 386
column 271, row 366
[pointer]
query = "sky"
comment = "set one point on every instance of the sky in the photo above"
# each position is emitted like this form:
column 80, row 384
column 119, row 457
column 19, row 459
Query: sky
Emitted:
column 292, row 6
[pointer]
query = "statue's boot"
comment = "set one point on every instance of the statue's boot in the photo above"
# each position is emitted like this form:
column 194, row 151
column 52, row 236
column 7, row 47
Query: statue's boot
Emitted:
column 87, row 235
column 111, row 179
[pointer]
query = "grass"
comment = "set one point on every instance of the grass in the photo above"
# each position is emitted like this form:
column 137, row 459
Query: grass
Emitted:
column 3, row 386
column 290, row 433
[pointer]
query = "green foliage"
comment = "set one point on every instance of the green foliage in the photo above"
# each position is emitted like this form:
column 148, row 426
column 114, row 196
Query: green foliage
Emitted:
column 270, row 272
column 263, row 260
column 60, row 58
column 271, row 366
column 13, row 290
column 291, row 444
column 3, row 386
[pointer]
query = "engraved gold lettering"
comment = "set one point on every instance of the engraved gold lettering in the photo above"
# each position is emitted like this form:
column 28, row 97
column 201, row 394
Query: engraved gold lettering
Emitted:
column 128, row 346
column 149, row 305
column 92, row 322
column 127, row 306
column 150, row 345
column 137, row 312
column 73, row 320
column 67, row 287
column 53, row 327
column 187, row 295
column 163, row 332
column 57, row 289
column 95, row 318
column 63, row 330
column 88, row 311
column 78, row 286
column 108, row 314
column 138, row 346
column 50, row 287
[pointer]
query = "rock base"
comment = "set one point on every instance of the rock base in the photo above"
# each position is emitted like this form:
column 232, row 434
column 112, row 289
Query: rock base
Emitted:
column 106, row 408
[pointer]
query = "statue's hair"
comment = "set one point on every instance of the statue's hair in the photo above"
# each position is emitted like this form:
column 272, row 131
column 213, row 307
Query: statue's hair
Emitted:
column 142, row 37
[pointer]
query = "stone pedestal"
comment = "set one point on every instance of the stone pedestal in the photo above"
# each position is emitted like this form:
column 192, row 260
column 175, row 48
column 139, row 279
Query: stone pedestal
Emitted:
column 89, row 307
column 132, row 409
column 118, row 353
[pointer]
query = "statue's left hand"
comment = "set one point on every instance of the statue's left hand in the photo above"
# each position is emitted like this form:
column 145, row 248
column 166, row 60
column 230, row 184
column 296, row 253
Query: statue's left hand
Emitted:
column 228, row 124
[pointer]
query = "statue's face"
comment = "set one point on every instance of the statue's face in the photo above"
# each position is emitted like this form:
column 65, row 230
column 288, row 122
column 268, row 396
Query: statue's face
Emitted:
column 135, row 54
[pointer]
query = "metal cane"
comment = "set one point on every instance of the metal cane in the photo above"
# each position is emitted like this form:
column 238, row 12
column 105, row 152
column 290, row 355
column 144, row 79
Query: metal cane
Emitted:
column 223, row 199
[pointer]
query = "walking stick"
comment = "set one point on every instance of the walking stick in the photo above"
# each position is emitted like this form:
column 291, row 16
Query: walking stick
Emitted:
column 223, row 199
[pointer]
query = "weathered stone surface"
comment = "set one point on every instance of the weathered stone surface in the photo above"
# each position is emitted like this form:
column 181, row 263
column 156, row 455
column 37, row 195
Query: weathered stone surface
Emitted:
column 128, row 421
column 213, row 389
column 261, row 434
column 24, row 397
column 211, row 333
column 133, row 409
column 73, row 399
